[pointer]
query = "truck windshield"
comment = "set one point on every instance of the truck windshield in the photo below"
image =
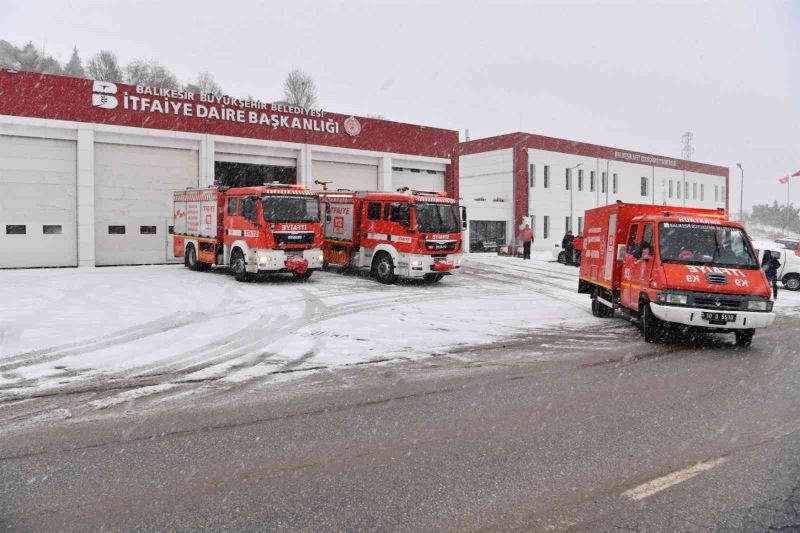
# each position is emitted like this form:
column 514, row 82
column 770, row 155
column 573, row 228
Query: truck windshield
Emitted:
column 705, row 244
column 279, row 208
column 437, row 218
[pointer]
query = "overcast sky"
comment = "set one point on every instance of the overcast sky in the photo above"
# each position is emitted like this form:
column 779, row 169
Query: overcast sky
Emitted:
column 632, row 75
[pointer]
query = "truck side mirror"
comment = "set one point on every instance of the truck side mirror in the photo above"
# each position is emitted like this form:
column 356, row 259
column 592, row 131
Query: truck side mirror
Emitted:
column 463, row 217
column 250, row 209
column 327, row 212
column 645, row 254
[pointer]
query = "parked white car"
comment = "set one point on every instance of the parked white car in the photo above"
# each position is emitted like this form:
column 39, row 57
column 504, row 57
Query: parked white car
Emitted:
column 789, row 272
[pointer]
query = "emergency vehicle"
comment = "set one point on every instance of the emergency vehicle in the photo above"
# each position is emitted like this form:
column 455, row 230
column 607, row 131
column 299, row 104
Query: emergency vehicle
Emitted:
column 411, row 234
column 674, row 267
column 266, row 229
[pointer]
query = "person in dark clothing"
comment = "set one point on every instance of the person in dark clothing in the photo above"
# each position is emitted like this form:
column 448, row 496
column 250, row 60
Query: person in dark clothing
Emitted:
column 566, row 245
column 770, row 266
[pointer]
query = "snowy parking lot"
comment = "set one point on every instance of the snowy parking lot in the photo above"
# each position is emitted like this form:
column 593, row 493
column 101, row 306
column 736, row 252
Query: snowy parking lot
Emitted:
column 163, row 332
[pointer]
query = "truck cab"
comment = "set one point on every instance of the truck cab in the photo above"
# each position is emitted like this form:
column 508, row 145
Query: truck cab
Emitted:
column 675, row 268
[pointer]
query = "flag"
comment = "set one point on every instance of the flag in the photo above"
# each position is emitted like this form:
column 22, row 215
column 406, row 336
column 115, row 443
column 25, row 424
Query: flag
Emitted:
column 784, row 180
column 796, row 174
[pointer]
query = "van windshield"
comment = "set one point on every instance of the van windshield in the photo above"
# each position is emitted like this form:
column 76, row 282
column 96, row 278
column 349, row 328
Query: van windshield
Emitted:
column 279, row 208
column 437, row 218
column 705, row 244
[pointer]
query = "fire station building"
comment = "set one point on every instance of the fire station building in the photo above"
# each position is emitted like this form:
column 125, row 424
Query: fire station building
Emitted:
column 87, row 168
column 509, row 180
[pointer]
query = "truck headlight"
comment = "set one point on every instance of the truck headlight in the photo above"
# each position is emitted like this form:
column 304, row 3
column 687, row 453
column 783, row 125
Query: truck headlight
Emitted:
column 262, row 260
column 320, row 258
column 416, row 263
column 671, row 298
column 759, row 305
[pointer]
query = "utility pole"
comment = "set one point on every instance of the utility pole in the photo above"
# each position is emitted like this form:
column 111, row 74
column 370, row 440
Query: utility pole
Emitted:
column 741, row 194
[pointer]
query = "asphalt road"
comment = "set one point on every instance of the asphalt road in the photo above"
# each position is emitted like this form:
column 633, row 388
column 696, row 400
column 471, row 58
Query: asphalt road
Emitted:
column 612, row 435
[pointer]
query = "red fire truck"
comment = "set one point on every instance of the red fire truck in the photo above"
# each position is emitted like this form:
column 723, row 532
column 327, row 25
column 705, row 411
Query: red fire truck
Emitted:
column 413, row 234
column 268, row 229
column 674, row 267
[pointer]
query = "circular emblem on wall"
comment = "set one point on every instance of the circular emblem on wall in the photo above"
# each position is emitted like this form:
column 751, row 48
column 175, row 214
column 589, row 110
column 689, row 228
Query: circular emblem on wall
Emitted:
column 352, row 126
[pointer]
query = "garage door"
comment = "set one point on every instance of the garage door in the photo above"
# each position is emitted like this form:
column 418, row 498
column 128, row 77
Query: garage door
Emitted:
column 133, row 201
column 421, row 180
column 38, row 204
column 346, row 175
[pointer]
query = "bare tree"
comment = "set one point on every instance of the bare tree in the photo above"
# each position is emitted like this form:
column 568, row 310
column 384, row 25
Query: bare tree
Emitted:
column 299, row 89
column 104, row 66
column 74, row 67
column 206, row 84
column 8, row 56
column 150, row 73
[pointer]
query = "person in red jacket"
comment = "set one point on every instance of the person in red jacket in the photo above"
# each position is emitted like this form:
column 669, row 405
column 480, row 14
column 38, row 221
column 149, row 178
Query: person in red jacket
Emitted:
column 577, row 245
column 526, row 234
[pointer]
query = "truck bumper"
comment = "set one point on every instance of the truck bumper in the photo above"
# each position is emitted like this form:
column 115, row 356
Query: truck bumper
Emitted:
column 275, row 260
column 693, row 316
column 419, row 265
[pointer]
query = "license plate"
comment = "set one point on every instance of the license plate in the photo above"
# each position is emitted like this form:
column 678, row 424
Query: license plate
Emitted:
column 719, row 317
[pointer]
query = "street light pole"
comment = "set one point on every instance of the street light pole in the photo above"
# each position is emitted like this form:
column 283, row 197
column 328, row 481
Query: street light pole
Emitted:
column 741, row 194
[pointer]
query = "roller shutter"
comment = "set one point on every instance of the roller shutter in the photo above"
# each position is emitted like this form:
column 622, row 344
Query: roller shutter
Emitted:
column 346, row 175
column 421, row 180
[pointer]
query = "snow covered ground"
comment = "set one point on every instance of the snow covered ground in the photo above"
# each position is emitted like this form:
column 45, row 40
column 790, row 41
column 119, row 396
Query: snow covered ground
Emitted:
column 66, row 327
column 162, row 334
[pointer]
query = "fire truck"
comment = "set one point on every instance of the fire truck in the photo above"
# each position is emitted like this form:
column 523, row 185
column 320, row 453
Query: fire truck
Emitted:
column 677, row 268
column 273, row 228
column 410, row 234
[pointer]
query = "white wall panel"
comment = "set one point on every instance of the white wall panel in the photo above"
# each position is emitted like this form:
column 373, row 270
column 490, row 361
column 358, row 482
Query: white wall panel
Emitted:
column 345, row 176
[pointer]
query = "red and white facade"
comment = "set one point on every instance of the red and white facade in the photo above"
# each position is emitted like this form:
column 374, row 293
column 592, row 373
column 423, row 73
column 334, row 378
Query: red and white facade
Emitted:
column 87, row 169
column 520, row 177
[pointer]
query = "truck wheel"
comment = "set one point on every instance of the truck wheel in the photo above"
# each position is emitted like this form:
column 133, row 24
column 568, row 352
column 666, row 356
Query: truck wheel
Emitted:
column 792, row 282
column 238, row 266
column 651, row 326
column 744, row 337
column 383, row 268
column 190, row 258
column 302, row 277
column 600, row 310
column 433, row 278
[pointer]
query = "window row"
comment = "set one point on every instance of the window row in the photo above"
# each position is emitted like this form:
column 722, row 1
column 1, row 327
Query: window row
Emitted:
column 689, row 191
column 591, row 186
column 143, row 230
column 22, row 229
column 546, row 229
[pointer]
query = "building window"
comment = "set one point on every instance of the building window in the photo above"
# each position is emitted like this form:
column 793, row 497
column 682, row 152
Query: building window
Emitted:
column 568, row 176
column 16, row 229
column 694, row 191
column 532, row 175
column 716, row 193
column 373, row 211
column 670, row 188
column 231, row 206
column 614, row 184
column 591, row 181
column 644, row 186
column 533, row 224
column 603, row 184
column 116, row 230
column 147, row 230
column 547, row 176
column 702, row 192
column 51, row 229
column 567, row 224
column 580, row 179
column 678, row 188
column 546, row 227
column 580, row 225
column 171, row 230
column 722, row 196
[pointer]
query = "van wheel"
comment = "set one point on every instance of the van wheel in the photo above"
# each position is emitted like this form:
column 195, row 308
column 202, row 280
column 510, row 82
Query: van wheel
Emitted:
column 238, row 268
column 651, row 325
column 792, row 282
column 562, row 258
column 744, row 337
column 190, row 258
column 383, row 268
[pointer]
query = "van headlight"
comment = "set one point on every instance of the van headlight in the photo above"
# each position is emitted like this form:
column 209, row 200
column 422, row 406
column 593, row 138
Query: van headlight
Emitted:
column 759, row 305
column 671, row 298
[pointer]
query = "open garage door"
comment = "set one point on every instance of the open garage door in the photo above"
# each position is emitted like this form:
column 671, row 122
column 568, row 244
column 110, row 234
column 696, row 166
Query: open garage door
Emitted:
column 38, row 204
column 244, row 170
column 133, row 201
column 416, row 179
column 346, row 176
